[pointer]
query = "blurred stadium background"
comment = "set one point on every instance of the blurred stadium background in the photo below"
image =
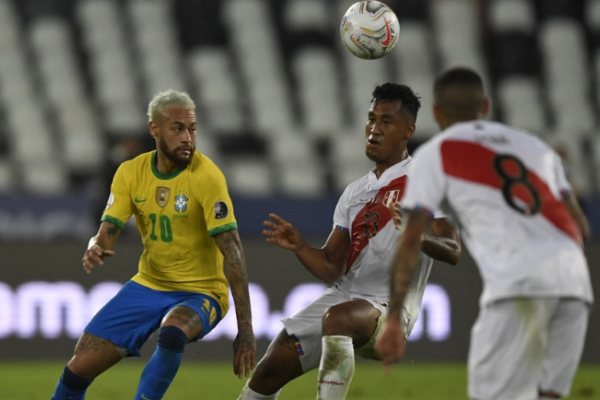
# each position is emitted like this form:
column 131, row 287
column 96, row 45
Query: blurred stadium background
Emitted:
column 279, row 99
column 281, row 107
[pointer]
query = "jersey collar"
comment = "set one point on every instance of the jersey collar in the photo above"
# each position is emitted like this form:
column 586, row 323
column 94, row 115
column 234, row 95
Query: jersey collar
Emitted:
column 160, row 175
column 383, row 179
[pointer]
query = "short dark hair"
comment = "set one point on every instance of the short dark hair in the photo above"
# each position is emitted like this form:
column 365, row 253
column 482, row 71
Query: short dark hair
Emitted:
column 395, row 91
column 459, row 93
column 459, row 76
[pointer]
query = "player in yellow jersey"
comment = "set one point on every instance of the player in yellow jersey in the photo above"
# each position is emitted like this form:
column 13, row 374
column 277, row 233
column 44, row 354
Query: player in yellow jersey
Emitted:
column 191, row 251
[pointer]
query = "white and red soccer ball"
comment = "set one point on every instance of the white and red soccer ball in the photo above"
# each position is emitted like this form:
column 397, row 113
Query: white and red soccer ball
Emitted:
column 369, row 29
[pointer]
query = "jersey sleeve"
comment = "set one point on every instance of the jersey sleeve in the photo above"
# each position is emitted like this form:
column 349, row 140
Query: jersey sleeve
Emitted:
column 426, row 187
column 119, row 207
column 340, row 215
column 438, row 214
column 562, row 183
column 216, row 203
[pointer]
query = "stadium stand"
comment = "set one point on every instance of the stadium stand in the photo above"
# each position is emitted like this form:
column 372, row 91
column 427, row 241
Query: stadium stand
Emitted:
column 110, row 66
column 281, row 103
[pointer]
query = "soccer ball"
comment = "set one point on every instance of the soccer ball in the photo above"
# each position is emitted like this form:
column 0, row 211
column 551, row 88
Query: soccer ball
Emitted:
column 369, row 29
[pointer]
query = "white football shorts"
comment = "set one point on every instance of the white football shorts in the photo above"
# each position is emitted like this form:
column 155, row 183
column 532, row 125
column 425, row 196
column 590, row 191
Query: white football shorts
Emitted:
column 306, row 326
column 523, row 345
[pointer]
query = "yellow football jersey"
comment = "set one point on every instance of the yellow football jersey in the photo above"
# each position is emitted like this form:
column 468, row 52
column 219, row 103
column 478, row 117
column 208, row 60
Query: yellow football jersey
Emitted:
column 177, row 215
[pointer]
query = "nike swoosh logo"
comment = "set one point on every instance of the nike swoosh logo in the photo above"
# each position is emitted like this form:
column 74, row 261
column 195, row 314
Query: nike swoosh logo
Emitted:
column 139, row 201
column 144, row 397
column 388, row 33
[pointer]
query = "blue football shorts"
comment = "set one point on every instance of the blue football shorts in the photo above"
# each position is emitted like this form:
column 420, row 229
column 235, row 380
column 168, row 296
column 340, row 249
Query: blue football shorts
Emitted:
column 136, row 311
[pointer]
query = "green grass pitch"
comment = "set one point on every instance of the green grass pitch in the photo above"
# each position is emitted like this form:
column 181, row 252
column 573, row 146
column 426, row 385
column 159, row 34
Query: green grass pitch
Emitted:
column 215, row 381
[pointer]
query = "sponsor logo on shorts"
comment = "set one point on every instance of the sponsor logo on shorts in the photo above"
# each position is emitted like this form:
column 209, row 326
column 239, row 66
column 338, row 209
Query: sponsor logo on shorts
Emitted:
column 210, row 311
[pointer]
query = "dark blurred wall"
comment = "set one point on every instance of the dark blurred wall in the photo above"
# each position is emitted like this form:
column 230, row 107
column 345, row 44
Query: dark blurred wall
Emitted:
column 46, row 298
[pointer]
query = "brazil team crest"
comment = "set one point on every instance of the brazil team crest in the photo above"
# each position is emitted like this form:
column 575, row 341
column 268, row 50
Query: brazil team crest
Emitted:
column 181, row 203
column 162, row 196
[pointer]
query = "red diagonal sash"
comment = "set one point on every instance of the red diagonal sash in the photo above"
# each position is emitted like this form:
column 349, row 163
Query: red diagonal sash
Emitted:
column 475, row 163
column 372, row 218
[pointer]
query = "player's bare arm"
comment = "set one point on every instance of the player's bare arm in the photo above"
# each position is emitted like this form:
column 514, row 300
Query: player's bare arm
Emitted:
column 390, row 346
column 443, row 243
column 326, row 263
column 570, row 201
column 406, row 260
column 244, row 345
column 100, row 246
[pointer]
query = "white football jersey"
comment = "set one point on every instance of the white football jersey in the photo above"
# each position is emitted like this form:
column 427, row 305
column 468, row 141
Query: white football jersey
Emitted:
column 363, row 212
column 506, row 187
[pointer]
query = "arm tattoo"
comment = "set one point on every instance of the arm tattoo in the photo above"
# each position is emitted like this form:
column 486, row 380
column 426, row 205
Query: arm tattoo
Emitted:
column 235, row 267
column 405, row 260
column 107, row 236
column 399, row 285
column 112, row 230
column 229, row 244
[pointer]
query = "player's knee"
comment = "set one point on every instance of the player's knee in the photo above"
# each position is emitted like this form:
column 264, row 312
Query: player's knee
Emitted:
column 172, row 338
column 74, row 380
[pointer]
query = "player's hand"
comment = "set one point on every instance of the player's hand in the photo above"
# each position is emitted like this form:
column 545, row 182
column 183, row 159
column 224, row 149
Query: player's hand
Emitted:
column 244, row 353
column 95, row 255
column 390, row 345
column 282, row 233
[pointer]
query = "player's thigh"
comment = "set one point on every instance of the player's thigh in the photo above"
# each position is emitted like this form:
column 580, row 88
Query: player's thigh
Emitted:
column 93, row 355
column 305, row 327
column 130, row 317
column 566, row 339
column 356, row 319
column 507, row 349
